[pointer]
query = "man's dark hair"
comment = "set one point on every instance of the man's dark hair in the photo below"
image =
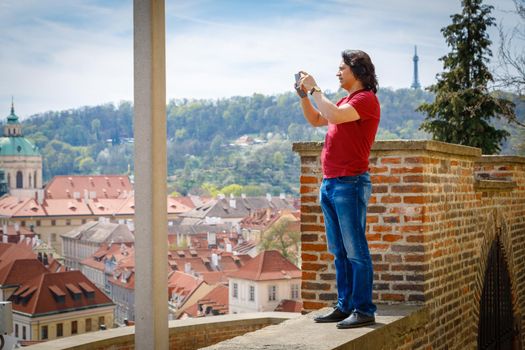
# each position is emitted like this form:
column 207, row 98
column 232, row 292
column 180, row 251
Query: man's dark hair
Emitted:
column 362, row 68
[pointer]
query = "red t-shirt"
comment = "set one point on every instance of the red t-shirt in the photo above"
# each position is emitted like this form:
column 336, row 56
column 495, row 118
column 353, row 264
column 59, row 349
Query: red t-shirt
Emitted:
column 347, row 145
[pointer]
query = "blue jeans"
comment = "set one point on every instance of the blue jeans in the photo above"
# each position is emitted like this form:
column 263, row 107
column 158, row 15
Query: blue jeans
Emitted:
column 344, row 201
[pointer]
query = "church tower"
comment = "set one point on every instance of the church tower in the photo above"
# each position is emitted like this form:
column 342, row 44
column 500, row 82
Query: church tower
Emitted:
column 415, row 83
column 20, row 160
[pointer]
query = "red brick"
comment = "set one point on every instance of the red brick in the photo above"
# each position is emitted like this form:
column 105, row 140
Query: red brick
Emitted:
column 372, row 219
column 396, row 160
column 379, row 188
column 310, row 276
column 407, row 170
column 378, row 246
column 309, row 218
column 392, row 238
column 376, row 209
column 376, row 170
column 414, row 199
column 308, row 189
column 385, row 179
column 326, row 257
column 382, row 228
column 417, row 160
column 412, row 228
column 392, row 297
column 312, row 228
column 313, row 267
column 311, row 305
column 415, row 239
column 309, row 199
column 414, row 178
column 414, row 258
column 311, row 209
column 373, row 237
column 315, row 286
column 391, row 219
column 393, row 258
column 391, row 199
column 309, row 237
column 309, row 257
column 409, row 189
column 313, row 247
column 309, row 180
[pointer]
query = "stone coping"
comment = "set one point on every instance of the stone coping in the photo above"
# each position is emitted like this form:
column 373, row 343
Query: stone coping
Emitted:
column 400, row 145
column 303, row 333
column 503, row 159
column 494, row 185
column 114, row 336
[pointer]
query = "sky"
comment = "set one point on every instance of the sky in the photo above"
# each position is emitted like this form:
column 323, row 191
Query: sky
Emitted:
column 63, row 54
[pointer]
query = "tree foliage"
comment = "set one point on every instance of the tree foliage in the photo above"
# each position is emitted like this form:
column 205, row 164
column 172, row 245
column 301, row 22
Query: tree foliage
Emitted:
column 463, row 107
column 281, row 238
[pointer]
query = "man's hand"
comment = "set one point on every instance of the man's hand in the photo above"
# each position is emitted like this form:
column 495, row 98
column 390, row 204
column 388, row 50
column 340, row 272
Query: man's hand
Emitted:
column 307, row 81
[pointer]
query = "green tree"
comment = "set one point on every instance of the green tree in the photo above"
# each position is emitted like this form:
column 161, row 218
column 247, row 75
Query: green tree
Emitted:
column 463, row 107
column 281, row 238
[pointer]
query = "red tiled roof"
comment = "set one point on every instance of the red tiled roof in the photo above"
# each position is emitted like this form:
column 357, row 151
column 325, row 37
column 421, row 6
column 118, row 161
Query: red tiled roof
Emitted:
column 14, row 206
column 57, row 207
column 20, row 270
column 268, row 265
column 104, row 186
column 182, row 283
column 50, row 294
column 287, row 305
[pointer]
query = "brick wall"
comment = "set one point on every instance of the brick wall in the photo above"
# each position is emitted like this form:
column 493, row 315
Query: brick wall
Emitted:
column 434, row 212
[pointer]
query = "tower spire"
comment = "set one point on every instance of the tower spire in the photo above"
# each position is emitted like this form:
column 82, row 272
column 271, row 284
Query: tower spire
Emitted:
column 415, row 59
column 12, row 105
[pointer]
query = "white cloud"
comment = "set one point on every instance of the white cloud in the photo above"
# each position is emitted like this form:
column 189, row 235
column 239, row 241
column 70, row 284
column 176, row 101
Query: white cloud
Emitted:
column 59, row 54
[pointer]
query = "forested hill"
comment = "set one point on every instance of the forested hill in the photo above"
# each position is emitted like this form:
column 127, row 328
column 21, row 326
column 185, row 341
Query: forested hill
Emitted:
column 200, row 137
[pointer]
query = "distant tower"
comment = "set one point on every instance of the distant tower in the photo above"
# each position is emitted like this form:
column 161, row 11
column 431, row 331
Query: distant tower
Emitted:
column 415, row 83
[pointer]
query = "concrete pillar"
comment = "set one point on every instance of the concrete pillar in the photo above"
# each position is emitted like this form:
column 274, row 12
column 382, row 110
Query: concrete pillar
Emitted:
column 151, row 308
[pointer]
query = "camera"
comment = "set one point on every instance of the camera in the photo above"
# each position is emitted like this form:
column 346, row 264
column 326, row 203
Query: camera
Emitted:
column 298, row 86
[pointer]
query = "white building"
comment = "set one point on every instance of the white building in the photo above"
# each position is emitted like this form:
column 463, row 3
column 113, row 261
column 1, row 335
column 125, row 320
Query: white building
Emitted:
column 263, row 282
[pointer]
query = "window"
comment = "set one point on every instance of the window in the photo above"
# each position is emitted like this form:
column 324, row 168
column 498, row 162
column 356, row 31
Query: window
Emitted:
column 295, row 291
column 74, row 327
column 272, row 292
column 68, row 222
column 16, row 330
column 60, row 330
column 83, row 221
column 101, row 322
column 24, row 335
column 19, row 179
column 23, row 223
column 43, row 332
column 252, row 293
column 88, row 325
column 38, row 223
column 235, row 292
column 53, row 222
column 53, row 237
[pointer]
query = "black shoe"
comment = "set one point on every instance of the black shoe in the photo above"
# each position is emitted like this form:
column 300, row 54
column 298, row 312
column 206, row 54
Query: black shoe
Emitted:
column 335, row 316
column 356, row 320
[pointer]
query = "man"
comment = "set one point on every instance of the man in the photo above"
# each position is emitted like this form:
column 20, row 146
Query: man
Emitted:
column 346, row 187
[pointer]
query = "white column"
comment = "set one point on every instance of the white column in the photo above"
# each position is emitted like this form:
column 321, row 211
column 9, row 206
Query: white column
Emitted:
column 151, row 288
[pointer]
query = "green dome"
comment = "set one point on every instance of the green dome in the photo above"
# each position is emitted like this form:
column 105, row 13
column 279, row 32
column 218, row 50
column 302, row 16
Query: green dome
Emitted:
column 17, row 146
column 12, row 118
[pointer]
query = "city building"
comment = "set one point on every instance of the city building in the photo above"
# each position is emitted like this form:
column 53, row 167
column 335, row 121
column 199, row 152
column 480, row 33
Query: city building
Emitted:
column 20, row 161
column 263, row 282
column 82, row 242
column 61, row 304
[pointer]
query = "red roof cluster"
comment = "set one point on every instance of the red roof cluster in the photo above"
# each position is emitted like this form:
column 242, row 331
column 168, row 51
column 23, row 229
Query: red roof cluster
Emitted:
column 268, row 265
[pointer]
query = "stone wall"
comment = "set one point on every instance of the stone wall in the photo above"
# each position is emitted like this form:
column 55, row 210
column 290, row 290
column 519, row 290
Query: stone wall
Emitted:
column 435, row 210
column 186, row 334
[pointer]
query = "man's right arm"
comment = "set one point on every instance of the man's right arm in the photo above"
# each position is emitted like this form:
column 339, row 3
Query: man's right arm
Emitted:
column 312, row 114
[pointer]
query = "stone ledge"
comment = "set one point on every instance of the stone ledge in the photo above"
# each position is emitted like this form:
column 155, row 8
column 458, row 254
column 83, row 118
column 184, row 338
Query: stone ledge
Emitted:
column 303, row 333
column 501, row 159
column 494, row 185
column 399, row 145
column 111, row 338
